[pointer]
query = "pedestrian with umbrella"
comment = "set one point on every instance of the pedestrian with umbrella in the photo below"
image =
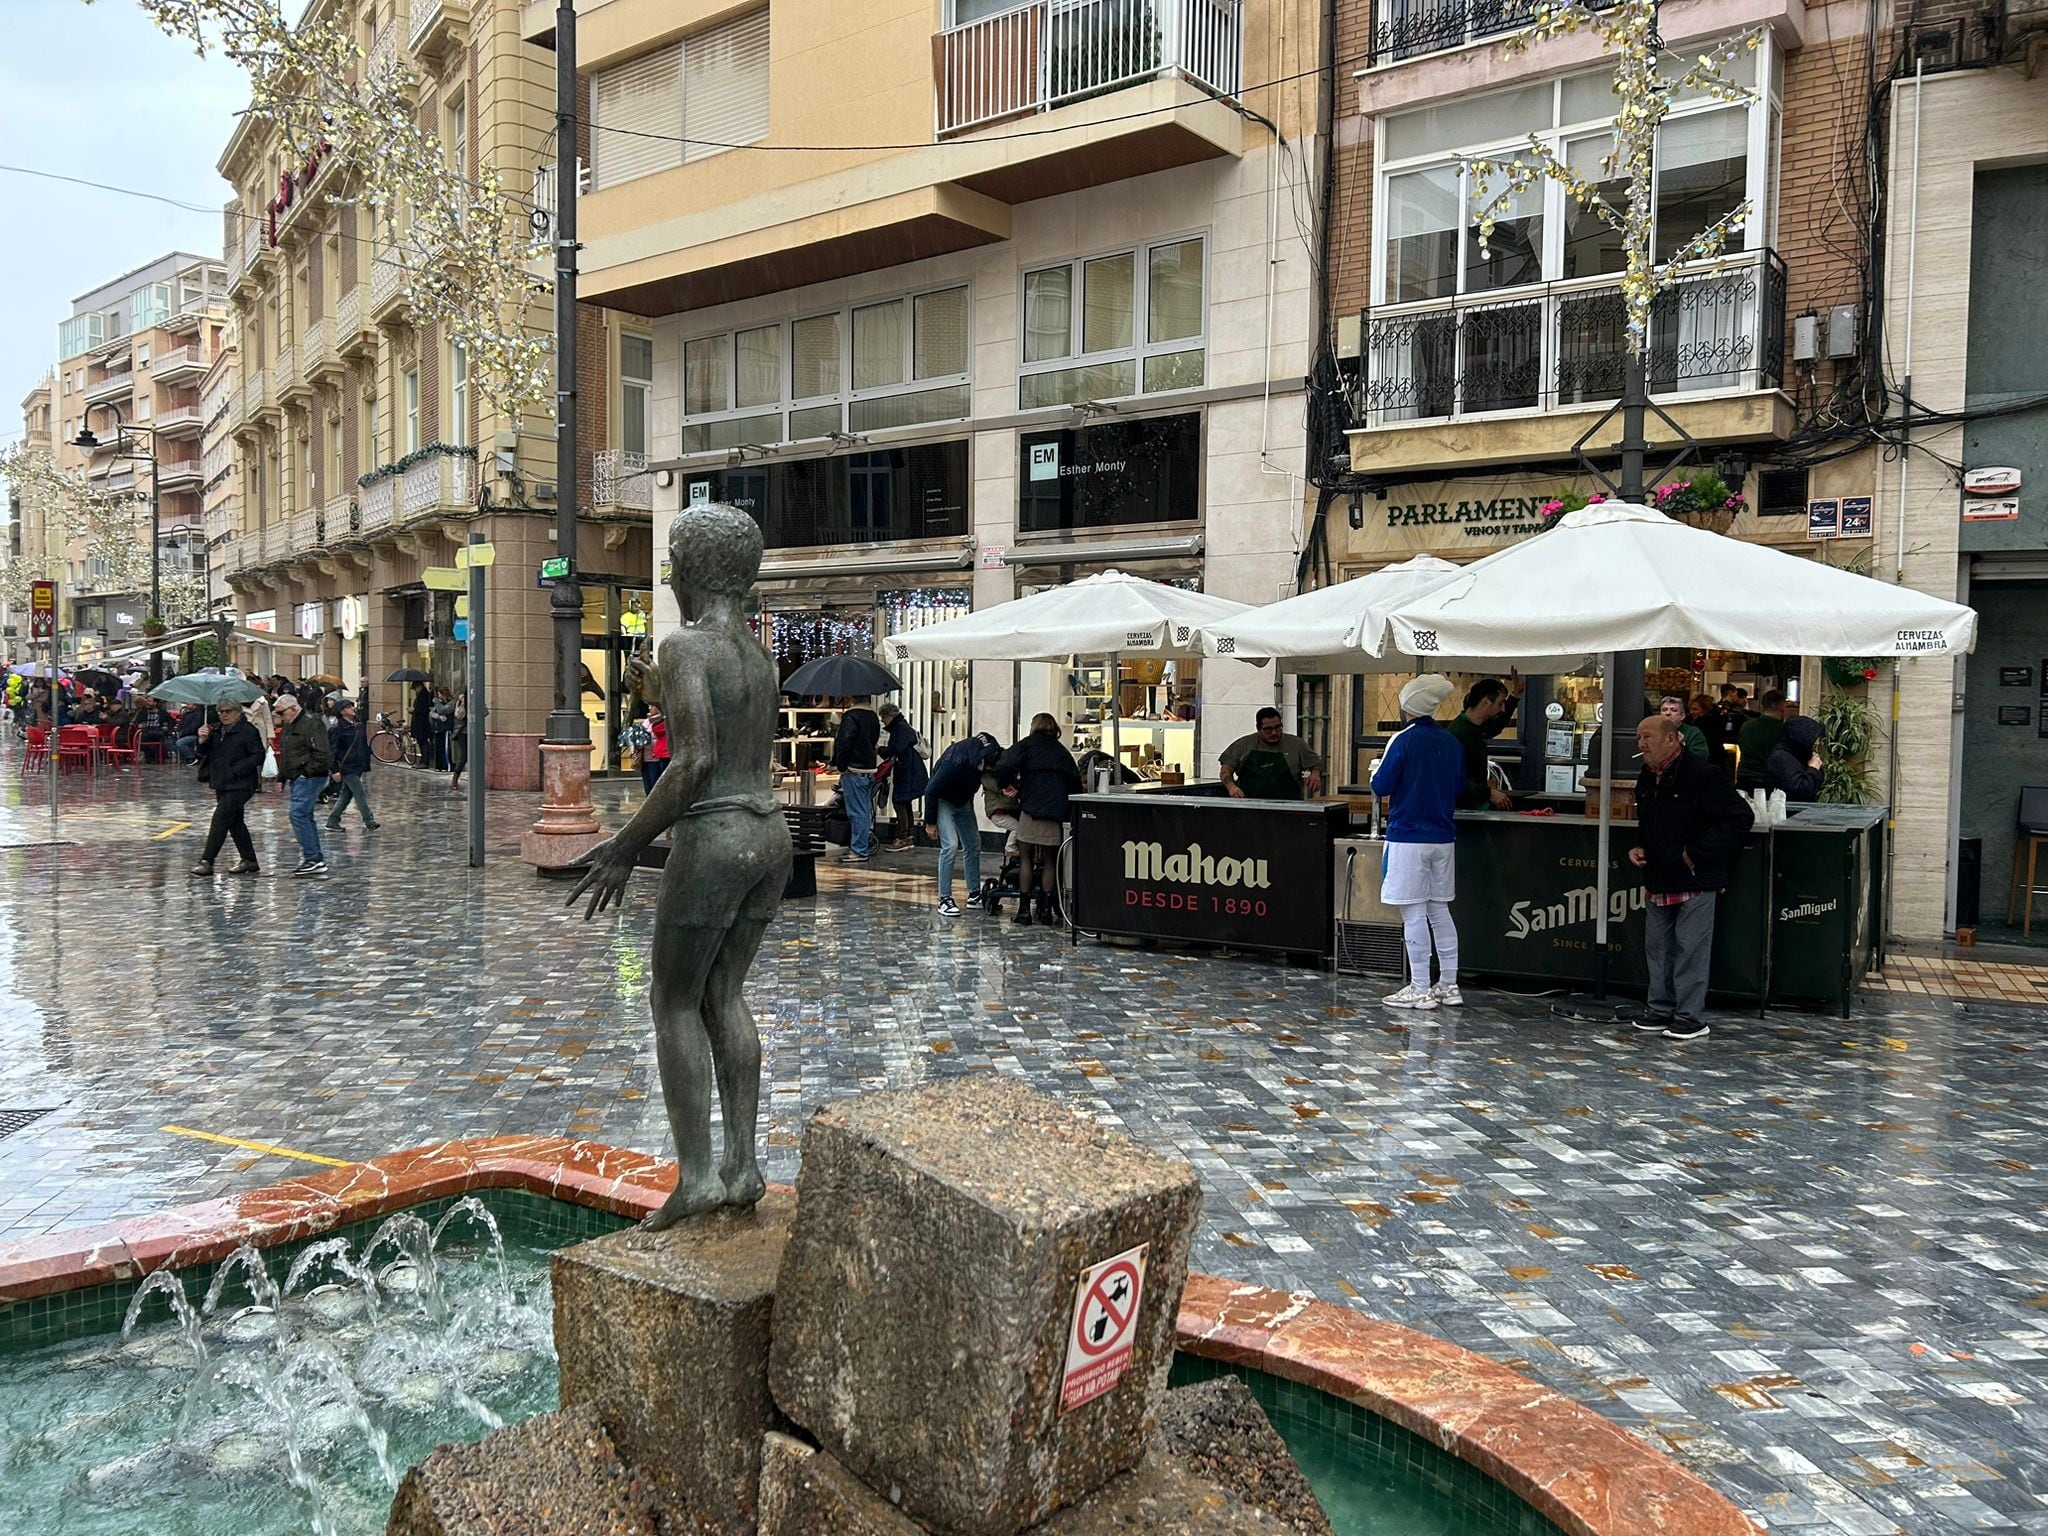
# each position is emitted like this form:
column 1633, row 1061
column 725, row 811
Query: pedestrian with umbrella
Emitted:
column 230, row 762
column 855, row 756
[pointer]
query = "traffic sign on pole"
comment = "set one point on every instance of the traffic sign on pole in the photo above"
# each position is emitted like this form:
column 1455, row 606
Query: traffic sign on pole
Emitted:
column 42, row 610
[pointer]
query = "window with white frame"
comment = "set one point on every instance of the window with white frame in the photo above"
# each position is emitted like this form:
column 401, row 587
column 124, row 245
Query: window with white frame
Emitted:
column 895, row 362
column 681, row 103
column 1122, row 323
column 458, row 394
column 636, row 392
column 411, row 398
column 1535, row 318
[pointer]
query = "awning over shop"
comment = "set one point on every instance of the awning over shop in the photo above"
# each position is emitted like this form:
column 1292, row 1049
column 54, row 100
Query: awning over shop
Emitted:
column 1109, row 613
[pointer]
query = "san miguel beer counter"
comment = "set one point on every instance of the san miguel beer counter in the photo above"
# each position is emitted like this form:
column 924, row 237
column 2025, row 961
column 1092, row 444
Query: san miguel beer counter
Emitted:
column 1799, row 922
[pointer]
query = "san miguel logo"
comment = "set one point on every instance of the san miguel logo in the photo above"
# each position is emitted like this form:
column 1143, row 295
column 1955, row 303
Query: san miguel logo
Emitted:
column 1806, row 909
column 292, row 185
column 1151, row 861
column 1579, row 906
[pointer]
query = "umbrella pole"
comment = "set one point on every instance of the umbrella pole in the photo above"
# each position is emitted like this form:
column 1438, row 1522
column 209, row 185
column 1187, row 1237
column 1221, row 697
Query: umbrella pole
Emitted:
column 1607, row 702
column 1116, row 720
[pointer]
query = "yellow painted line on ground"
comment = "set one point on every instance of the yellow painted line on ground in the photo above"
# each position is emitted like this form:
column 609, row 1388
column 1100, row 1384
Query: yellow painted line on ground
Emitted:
column 259, row 1146
column 171, row 831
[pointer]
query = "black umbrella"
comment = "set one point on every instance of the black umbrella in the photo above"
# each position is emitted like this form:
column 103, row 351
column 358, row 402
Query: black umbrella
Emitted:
column 104, row 683
column 840, row 677
column 408, row 675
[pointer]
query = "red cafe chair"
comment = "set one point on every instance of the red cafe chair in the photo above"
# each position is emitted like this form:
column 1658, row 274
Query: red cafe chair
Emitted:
column 120, row 745
column 75, row 745
column 38, row 754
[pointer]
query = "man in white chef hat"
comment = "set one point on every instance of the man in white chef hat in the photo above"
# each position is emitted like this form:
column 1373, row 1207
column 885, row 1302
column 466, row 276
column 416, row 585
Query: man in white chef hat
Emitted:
column 1421, row 774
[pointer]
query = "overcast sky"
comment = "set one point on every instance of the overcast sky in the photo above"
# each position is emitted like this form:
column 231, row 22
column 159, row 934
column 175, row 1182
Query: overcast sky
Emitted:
column 97, row 92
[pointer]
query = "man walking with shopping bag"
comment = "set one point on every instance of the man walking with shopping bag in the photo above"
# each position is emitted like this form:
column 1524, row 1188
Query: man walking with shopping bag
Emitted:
column 302, row 765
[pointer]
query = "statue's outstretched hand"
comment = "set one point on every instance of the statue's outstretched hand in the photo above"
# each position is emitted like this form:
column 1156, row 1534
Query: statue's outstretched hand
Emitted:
column 606, row 872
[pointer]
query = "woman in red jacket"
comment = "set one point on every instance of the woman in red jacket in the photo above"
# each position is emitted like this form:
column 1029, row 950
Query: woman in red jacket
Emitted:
column 655, row 758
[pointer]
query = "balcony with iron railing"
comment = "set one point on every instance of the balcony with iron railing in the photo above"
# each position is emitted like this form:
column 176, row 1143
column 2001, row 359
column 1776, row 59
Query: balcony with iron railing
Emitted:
column 378, row 503
column 256, row 392
column 316, row 350
column 1047, row 53
column 181, row 421
column 434, row 24
column 1562, row 347
column 620, row 480
column 286, row 371
column 350, row 333
column 387, row 281
column 384, row 49
column 179, row 474
column 1406, row 29
column 441, row 481
column 181, row 365
column 305, row 530
column 336, row 523
column 118, row 385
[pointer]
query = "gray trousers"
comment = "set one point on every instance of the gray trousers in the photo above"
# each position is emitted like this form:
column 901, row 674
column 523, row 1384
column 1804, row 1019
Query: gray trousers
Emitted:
column 1680, row 945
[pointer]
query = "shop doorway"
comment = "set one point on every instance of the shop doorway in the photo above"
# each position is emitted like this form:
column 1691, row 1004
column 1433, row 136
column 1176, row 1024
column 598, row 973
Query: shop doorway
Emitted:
column 2005, row 743
column 617, row 629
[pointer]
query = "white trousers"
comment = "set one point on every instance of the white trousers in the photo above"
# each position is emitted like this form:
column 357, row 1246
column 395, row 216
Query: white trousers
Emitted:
column 1424, row 923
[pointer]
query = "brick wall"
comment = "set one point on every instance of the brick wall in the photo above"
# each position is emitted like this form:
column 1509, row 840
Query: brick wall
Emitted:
column 593, row 388
column 350, row 259
column 316, row 277
column 432, row 428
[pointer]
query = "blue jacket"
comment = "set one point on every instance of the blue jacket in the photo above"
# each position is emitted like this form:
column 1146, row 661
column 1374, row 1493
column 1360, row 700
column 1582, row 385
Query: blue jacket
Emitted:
column 907, row 775
column 956, row 776
column 1422, row 773
column 348, row 746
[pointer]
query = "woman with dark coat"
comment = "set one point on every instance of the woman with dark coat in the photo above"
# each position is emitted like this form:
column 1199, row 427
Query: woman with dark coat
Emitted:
column 231, row 758
column 423, row 722
column 1794, row 764
column 1045, row 776
column 908, row 775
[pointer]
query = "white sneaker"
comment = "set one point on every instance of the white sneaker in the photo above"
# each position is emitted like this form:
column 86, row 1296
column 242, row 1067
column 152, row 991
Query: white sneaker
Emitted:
column 947, row 909
column 1448, row 997
column 1412, row 996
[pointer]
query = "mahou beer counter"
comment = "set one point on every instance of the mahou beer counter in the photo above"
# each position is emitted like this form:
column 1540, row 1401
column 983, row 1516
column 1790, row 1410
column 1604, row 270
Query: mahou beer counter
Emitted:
column 1253, row 874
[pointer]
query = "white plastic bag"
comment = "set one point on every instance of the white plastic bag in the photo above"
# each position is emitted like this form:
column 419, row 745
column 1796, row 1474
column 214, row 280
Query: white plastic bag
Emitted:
column 269, row 763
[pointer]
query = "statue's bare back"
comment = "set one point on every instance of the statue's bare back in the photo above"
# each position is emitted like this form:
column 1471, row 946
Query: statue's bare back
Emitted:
column 728, row 860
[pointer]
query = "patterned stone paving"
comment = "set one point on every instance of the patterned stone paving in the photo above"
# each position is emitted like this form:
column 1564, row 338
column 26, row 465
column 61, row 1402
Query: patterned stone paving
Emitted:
column 1804, row 1256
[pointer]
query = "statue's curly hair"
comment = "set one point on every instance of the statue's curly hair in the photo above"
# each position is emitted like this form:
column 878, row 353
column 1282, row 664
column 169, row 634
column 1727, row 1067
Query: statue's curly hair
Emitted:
column 715, row 547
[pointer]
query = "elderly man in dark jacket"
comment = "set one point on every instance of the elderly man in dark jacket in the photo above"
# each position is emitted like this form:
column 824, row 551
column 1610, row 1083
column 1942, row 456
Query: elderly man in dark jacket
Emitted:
column 231, row 760
column 302, row 764
column 348, row 754
column 1690, row 824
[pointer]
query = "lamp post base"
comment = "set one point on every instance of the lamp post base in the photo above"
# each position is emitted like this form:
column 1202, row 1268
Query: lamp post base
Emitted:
column 567, row 827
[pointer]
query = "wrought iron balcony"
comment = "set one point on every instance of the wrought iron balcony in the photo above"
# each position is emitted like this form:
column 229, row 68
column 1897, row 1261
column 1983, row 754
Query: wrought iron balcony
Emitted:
column 620, row 479
column 1402, row 29
column 379, row 503
column 1046, row 53
column 118, row 385
column 1553, row 345
column 305, row 526
column 384, row 51
column 440, row 480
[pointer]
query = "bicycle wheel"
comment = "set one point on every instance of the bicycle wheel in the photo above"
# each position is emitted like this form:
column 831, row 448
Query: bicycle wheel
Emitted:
column 384, row 747
column 412, row 751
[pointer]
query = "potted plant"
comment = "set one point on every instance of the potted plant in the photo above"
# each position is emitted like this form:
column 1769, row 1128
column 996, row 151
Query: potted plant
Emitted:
column 1704, row 501
column 153, row 626
column 1563, row 502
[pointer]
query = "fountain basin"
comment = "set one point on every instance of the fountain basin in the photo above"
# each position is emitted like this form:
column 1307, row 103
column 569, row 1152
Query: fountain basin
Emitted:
column 1403, row 1434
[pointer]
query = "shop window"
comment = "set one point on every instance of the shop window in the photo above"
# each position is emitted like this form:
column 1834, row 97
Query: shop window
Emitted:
column 1116, row 472
column 916, row 492
column 412, row 410
column 1138, row 326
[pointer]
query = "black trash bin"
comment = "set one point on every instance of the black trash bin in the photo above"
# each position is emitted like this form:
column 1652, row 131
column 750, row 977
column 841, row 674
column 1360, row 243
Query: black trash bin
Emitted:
column 1969, row 880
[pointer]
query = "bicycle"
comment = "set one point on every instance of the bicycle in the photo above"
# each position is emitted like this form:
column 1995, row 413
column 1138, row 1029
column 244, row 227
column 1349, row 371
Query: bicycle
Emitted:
column 388, row 744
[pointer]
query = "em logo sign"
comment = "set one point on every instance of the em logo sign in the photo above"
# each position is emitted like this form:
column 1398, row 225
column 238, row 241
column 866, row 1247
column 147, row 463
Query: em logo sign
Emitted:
column 1045, row 461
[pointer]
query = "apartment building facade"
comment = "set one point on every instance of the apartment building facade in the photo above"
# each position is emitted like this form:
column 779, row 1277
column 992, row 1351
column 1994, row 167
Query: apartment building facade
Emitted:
column 133, row 353
column 1472, row 373
column 220, row 491
column 28, row 537
column 364, row 451
column 964, row 309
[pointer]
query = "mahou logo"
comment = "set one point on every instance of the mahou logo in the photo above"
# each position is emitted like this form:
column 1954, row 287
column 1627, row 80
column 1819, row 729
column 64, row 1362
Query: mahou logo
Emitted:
column 1151, row 861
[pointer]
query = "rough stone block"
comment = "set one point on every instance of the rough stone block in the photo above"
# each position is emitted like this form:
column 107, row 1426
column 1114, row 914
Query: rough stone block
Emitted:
column 782, row 1463
column 1218, row 1430
column 555, row 1475
column 928, row 1287
column 827, row 1500
column 1163, row 1497
column 667, row 1332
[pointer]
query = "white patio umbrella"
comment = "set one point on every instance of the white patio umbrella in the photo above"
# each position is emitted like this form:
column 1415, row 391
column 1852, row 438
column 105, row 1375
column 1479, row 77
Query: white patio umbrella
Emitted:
column 1108, row 613
column 1343, row 628
column 1620, row 577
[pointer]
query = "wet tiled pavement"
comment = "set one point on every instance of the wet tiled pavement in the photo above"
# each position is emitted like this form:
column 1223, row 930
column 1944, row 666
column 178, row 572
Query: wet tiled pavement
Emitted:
column 1804, row 1256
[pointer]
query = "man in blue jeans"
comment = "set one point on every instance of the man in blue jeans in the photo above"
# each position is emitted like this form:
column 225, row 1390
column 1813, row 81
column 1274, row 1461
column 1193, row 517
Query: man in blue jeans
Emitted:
column 854, row 755
column 302, row 765
column 949, row 815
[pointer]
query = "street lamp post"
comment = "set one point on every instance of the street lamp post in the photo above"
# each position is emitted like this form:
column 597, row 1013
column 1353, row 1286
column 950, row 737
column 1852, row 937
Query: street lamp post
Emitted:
column 122, row 429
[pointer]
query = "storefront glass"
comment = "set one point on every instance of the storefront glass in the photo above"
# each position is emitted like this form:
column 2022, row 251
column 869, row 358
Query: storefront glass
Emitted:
column 617, row 624
column 916, row 492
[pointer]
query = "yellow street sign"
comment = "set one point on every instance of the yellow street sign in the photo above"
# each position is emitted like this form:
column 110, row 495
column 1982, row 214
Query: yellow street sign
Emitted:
column 467, row 555
column 462, row 607
column 444, row 578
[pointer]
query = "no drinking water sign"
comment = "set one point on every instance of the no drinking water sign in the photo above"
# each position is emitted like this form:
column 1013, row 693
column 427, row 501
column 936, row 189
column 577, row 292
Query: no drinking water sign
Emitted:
column 1105, row 1326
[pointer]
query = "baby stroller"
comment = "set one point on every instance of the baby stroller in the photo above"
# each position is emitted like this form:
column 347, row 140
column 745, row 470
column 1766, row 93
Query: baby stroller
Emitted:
column 1006, row 884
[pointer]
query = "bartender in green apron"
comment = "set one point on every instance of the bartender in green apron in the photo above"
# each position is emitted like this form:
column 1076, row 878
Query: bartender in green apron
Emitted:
column 1269, row 764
